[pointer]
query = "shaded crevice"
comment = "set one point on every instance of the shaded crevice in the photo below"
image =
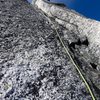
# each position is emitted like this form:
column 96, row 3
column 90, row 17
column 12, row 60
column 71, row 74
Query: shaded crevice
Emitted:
column 1, row 75
column 33, row 88
column 2, row 1
column 8, row 35
column 55, row 74
column 79, row 42
column 94, row 66
column 9, row 93
column 85, row 42
column 55, row 3
column 56, row 81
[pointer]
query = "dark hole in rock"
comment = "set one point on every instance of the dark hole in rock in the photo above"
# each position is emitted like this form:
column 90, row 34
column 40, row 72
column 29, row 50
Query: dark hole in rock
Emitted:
column 57, row 38
column 1, row 28
column 79, row 42
column 51, row 36
column 33, row 89
column 51, row 59
column 78, row 62
column 42, row 77
column 59, row 67
column 55, row 70
column 9, row 93
column 10, row 16
column 54, row 73
column 84, row 91
column 72, row 87
column 57, row 3
column 85, row 42
column 72, row 95
column 72, row 44
column 1, row 75
column 39, row 83
column 56, row 81
column 2, row 1
column 94, row 66
column 8, row 35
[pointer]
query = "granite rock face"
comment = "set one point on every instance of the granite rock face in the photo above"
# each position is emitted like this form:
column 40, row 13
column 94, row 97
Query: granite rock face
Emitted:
column 84, row 35
column 71, row 20
column 33, row 64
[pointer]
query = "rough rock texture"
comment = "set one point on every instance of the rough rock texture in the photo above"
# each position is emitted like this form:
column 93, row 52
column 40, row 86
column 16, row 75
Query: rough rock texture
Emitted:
column 73, row 21
column 33, row 64
column 83, row 31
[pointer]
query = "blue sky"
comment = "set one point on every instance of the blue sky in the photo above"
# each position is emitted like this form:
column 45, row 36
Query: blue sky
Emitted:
column 89, row 8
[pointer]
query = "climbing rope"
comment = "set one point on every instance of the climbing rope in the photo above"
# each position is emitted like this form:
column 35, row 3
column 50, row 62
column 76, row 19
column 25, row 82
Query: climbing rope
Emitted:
column 76, row 66
column 72, row 60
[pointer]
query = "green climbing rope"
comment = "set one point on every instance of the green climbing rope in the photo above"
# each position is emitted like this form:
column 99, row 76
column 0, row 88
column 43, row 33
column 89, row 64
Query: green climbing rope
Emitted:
column 72, row 60
column 76, row 66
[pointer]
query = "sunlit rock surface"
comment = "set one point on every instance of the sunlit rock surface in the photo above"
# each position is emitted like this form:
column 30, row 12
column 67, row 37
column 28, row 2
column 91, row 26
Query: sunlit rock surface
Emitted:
column 73, row 21
column 33, row 63
column 83, row 29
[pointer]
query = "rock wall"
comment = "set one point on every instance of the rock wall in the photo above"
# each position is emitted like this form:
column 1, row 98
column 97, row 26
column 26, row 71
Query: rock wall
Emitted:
column 33, row 64
column 83, row 36
column 76, row 22
column 82, row 27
